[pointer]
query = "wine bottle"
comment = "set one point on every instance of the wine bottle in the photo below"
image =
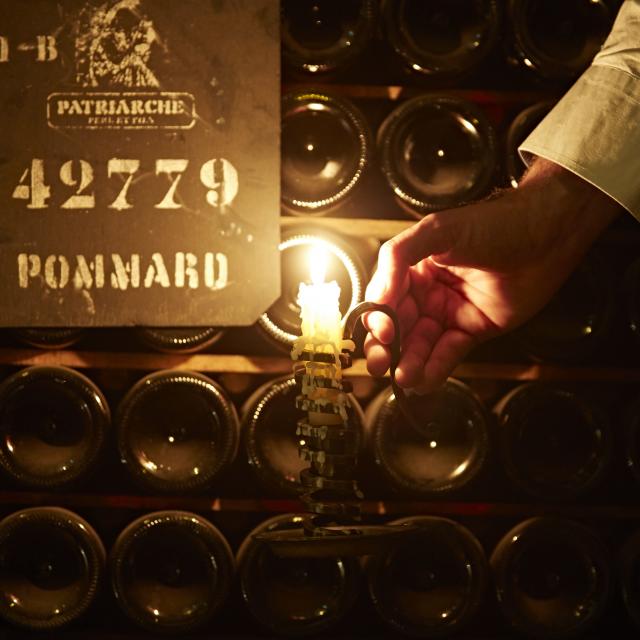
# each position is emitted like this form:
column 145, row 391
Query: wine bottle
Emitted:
column 437, row 152
column 281, row 322
column 51, row 566
column 552, row 577
column 49, row 338
column 177, row 431
column 445, row 455
column 321, row 36
column 629, row 564
column 53, row 423
column 631, row 431
column 179, row 339
column 556, row 444
column 523, row 124
column 326, row 149
column 557, row 40
column 577, row 322
column 294, row 596
column 631, row 294
column 442, row 37
column 269, row 420
column 433, row 585
column 171, row 571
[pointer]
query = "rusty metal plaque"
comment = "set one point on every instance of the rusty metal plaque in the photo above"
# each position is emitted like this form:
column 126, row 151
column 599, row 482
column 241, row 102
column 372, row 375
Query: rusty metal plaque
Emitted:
column 139, row 162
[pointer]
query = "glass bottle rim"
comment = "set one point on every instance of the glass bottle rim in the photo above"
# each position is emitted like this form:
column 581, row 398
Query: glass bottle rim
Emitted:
column 193, row 338
column 86, row 537
column 385, row 407
column 99, row 422
column 432, row 64
column 477, row 570
column 415, row 203
column 204, row 530
column 577, row 536
column 629, row 564
column 529, row 53
column 50, row 337
column 252, row 411
column 514, row 406
column 228, row 417
column 249, row 552
column 299, row 99
column 326, row 60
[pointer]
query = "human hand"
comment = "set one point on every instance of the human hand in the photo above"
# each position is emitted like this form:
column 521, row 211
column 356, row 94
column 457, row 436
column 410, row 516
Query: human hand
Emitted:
column 462, row 276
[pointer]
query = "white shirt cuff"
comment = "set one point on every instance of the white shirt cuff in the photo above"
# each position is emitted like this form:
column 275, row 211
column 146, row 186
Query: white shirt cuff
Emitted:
column 594, row 131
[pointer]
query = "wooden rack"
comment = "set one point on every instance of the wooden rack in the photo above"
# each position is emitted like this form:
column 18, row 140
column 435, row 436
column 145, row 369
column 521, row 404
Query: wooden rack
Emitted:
column 214, row 363
column 213, row 504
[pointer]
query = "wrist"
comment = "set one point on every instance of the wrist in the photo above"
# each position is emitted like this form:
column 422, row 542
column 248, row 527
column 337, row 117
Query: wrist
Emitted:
column 578, row 209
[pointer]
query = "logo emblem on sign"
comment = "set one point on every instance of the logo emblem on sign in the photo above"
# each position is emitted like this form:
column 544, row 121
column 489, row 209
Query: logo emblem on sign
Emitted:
column 114, row 44
column 113, row 47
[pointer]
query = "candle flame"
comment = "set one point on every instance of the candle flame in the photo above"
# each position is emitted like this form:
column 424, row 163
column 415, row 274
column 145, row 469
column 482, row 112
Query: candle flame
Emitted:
column 318, row 260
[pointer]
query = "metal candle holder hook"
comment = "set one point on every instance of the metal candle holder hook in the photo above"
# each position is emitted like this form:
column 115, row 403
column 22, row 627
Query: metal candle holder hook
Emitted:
column 329, row 442
column 396, row 351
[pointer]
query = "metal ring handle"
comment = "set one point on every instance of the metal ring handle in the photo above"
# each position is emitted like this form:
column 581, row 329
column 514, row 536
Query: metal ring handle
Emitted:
column 396, row 351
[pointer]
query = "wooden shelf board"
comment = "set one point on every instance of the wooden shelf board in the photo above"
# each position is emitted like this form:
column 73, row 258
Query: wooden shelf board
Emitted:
column 206, row 504
column 385, row 228
column 401, row 92
column 359, row 227
column 146, row 361
column 215, row 363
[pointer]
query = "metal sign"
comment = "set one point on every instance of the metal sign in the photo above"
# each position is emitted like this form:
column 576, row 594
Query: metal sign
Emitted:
column 139, row 162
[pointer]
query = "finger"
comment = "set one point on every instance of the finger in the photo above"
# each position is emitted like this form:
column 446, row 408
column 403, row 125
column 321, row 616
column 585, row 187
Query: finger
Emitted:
column 449, row 350
column 435, row 234
column 391, row 280
column 385, row 289
column 378, row 356
column 407, row 315
column 416, row 349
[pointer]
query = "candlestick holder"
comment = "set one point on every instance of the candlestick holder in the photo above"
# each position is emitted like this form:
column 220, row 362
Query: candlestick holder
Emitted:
column 329, row 442
column 328, row 436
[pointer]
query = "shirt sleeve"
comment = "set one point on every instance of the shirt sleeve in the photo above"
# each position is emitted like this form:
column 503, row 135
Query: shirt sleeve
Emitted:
column 594, row 130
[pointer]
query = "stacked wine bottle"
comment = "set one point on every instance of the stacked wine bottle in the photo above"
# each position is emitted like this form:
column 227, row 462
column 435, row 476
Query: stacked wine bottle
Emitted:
column 174, row 571
column 133, row 498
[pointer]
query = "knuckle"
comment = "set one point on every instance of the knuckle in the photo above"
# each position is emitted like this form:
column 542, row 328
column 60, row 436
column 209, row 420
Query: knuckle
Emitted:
column 389, row 249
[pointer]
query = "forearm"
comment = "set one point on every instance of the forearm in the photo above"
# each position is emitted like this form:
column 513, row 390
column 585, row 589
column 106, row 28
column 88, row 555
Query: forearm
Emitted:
column 571, row 212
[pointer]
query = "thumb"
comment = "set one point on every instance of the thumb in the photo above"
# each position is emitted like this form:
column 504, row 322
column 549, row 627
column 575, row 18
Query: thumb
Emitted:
column 435, row 234
column 390, row 283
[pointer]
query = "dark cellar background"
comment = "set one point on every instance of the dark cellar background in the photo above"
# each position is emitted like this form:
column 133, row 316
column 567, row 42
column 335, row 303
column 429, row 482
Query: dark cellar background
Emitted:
column 602, row 367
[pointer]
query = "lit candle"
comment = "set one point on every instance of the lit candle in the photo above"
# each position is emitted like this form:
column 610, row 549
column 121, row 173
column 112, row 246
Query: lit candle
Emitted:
column 320, row 307
column 321, row 333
